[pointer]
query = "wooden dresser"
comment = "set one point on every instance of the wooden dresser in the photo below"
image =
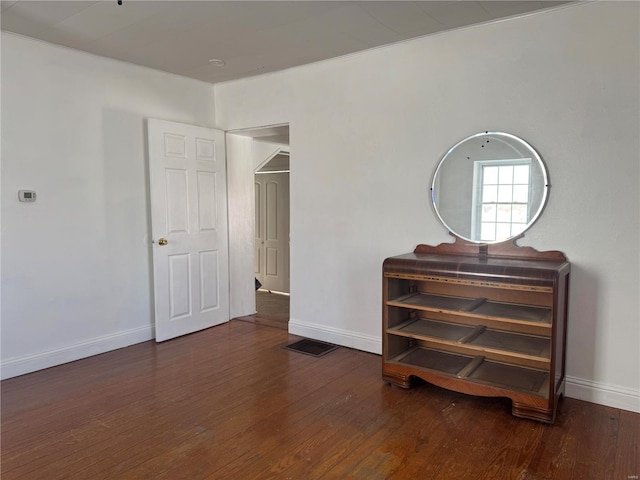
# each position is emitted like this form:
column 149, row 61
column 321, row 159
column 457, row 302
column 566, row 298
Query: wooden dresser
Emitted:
column 485, row 320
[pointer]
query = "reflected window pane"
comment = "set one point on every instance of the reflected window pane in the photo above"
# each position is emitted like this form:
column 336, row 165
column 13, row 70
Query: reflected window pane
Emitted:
column 487, row 232
column 505, row 193
column 488, row 213
column 505, row 175
column 521, row 193
column 519, row 214
column 521, row 175
column 490, row 194
column 517, row 228
column 503, row 213
column 490, row 175
column 503, row 230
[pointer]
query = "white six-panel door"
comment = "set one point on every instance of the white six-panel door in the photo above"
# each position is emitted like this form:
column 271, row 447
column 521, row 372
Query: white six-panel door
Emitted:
column 189, row 227
column 272, row 231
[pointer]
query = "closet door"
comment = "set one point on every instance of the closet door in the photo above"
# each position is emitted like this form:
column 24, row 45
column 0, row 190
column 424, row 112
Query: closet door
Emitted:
column 272, row 231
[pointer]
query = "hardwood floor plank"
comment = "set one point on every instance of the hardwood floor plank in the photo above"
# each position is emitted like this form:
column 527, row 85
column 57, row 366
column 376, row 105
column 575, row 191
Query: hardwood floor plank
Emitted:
column 365, row 425
column 293, row 442
column 627, row 460
column 579, row 445
column 391, row 436
column 270, row 395
column 502, row 455
column 459, row 443
column 230, row 402
column 258, row 426
column 88, row 420
column 515, row 445
column 596, row 443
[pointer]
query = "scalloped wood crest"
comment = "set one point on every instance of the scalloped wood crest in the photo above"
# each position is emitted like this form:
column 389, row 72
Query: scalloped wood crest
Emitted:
column 506, row 249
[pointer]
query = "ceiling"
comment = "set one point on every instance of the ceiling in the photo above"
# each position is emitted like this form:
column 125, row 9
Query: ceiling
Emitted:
column 250, row 37
column 271, row 134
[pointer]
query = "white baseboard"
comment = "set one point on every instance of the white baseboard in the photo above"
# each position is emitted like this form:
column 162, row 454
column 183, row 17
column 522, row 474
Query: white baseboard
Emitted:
column 12, row 367
column 345, row 338
column 603, row 394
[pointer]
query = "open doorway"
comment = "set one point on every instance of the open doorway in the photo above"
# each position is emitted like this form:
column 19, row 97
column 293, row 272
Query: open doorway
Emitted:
column 259, row 168
column 271, row 225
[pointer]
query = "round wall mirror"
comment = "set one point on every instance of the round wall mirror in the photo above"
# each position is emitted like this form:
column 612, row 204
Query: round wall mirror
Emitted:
column 489, row 187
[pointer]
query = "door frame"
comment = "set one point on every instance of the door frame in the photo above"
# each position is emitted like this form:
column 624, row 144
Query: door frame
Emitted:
column 241, row 167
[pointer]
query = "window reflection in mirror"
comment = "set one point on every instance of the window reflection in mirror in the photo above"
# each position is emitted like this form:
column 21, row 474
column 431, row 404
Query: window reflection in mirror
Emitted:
column 500, row 206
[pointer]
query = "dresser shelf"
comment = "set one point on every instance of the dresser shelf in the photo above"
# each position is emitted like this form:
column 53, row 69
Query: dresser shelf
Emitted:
column 476, row 369
column 491, row 323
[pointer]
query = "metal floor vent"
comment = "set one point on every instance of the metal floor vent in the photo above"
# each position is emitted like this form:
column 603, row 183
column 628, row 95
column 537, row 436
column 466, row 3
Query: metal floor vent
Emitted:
column 314, row 348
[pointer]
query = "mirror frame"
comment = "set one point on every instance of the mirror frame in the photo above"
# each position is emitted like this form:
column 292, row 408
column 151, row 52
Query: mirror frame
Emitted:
column 535, row 156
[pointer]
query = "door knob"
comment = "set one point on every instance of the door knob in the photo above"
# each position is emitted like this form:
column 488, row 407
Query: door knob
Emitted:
column 163, row 241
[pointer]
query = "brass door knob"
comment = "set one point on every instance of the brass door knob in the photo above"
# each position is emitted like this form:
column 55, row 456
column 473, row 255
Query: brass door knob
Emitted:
column 163, row 241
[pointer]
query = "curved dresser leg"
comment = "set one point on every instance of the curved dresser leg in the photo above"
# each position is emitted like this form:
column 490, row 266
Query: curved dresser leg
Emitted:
column 533, row 413
column 397, row 379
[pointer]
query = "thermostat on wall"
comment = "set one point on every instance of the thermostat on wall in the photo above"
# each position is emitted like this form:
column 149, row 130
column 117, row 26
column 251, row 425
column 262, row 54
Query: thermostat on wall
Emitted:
column 27, row 195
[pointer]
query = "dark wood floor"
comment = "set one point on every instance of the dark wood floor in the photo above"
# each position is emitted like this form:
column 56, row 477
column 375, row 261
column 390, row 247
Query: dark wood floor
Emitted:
column 230, row 403
column 273, row 310
column 271, row 304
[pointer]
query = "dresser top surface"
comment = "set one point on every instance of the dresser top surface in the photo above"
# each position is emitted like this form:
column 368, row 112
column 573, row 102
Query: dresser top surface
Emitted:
column 535, row 272
column 479, row 261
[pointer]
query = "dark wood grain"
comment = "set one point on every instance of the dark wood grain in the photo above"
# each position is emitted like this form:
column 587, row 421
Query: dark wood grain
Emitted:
column 230, row 402
column 506, row 249
column 626, row 464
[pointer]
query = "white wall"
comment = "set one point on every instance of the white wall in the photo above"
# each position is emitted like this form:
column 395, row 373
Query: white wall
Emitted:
column 76, row 276
column 367, row 131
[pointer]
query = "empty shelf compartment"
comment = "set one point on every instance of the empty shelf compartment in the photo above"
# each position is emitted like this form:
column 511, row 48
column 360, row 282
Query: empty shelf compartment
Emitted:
column 435, row 360
column 513, row 342
column 434, row 329
column 477, row 337
column 510, row 376
column 527, row 313
column 477, row 369
column 437, row 302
